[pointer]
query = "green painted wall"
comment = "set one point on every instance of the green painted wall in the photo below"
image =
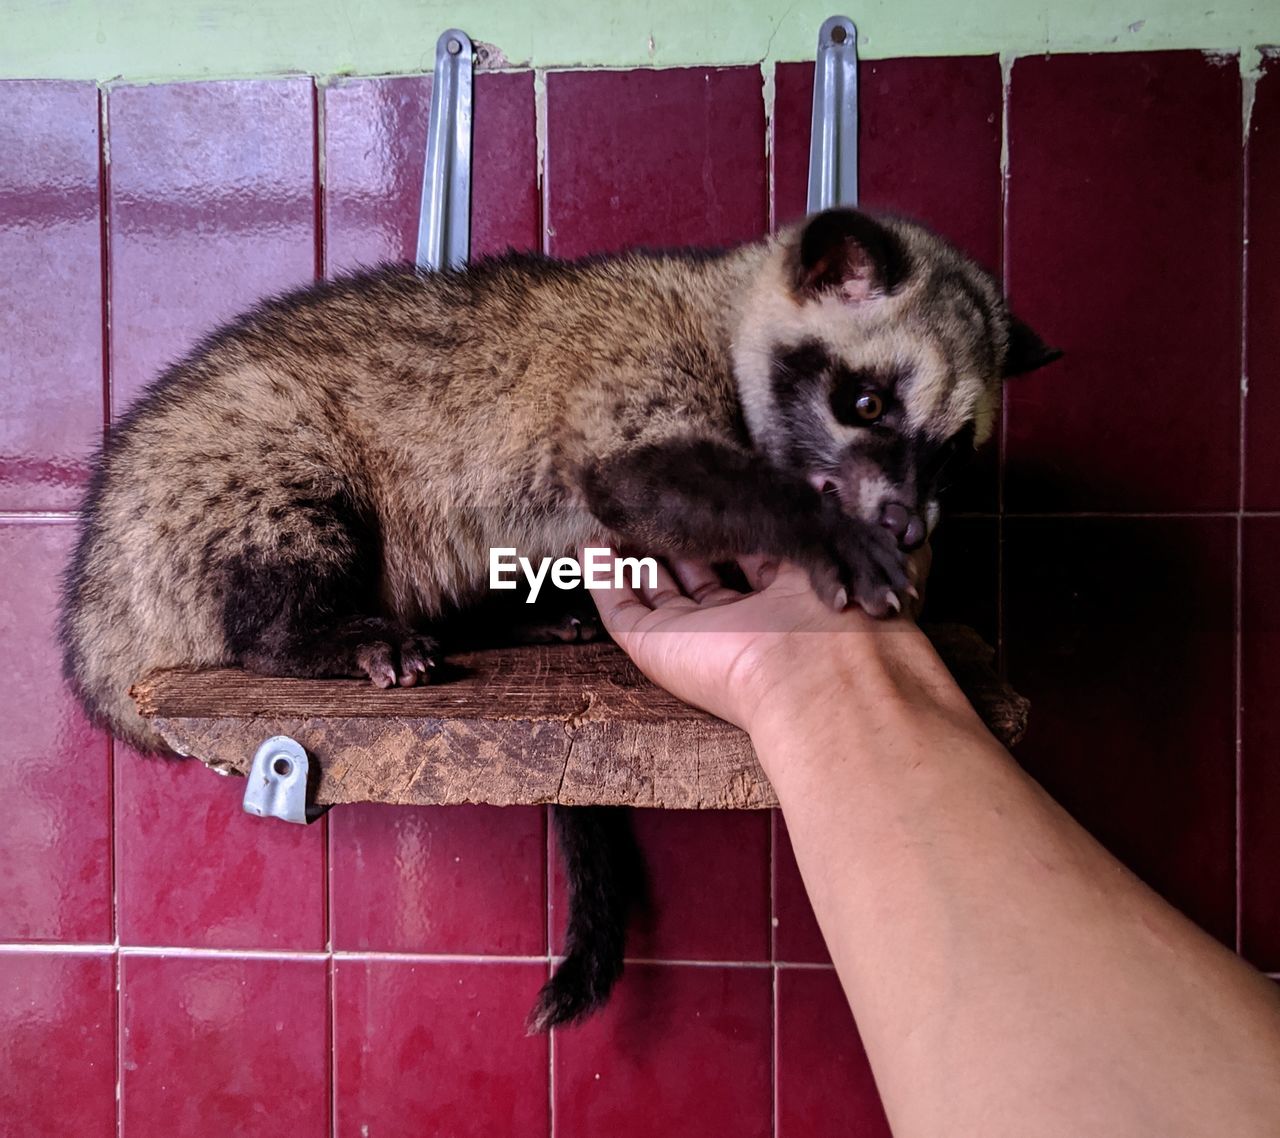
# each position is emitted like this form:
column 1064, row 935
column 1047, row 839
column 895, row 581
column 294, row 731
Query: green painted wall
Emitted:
column 190, row 39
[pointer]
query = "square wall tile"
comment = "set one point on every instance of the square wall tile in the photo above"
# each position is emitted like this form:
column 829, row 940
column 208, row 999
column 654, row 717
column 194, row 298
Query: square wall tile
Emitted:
column 439, row 879
column 1121, row 634
column 212, row 208
column 964, row 578
column 654, row 158
column 212, row 1046
column 1260, row 775
column 796, row 936
column 375, row 147
column 708, row 885
column 438, row 1049
column 1262, row 362
column 825, row 1085
column 57, row 1045
column 1124, row 243
column 682, row 1051
column 55, row 775
column 51, row 313
column 195, row 870
column 917, row 118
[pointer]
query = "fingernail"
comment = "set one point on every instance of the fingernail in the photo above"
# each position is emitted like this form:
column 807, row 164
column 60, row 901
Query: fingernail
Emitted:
column 841, row 599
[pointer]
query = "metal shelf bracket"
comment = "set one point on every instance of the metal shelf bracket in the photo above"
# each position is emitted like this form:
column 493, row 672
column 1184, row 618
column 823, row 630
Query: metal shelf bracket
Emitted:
column 444, row 223
column 833, row 141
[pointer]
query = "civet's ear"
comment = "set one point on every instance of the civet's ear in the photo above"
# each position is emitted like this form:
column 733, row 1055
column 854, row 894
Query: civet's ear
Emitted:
column 845, row 252
column 1027, row 351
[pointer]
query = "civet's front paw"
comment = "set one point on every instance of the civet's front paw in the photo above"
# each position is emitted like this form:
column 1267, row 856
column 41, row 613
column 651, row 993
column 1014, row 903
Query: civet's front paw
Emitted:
column 860, row 563
column 404, row 660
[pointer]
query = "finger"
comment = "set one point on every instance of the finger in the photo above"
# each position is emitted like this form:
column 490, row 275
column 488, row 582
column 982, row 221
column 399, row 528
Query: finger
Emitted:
column 701, row 583
column 662, row 590
column 760, row 571
column 621, row 608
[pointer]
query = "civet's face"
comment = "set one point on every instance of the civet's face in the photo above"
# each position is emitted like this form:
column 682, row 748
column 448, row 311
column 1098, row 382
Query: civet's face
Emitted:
column 872, row 365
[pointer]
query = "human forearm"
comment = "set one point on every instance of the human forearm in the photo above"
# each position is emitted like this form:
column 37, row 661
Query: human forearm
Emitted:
column 999, row 960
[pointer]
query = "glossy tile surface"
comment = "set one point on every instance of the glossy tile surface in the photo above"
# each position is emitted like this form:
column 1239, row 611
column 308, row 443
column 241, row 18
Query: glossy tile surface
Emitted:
column 1262, row 476
column 51, row 381
column 917, row 117
column 57, row 1045
column 964, row 577
column 654, row 158
column 797, row 939
column 212, row 1046
column 375, row 141
column 438, row 1049
column 708, row 884
column 194, row 869
column 1260, row 782
column 1119, row 631
column 1124, row 239
column 451, row 879
column 1126, row 194
column 683, row 1052
column 212, row 208
column 55, row 844
column 825, row 1086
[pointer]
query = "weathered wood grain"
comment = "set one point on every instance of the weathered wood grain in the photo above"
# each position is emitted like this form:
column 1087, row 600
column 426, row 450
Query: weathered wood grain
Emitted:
column 572, row 724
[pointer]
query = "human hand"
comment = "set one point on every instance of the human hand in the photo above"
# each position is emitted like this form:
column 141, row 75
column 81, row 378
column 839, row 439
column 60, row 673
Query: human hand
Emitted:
column 727, row 652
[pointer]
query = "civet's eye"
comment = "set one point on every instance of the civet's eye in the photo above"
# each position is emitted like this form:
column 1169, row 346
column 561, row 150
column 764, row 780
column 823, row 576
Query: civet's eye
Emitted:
column 869, row 406
column 860, row 400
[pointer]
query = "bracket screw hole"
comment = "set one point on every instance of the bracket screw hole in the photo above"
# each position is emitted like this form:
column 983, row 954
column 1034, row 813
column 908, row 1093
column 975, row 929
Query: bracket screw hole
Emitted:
column 838, row 34
column 453, row 47
column 282, row 766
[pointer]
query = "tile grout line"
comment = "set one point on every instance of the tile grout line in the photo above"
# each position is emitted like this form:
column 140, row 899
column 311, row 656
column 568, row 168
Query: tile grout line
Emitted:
column 117, row 958
column 331, row 1016
column 319, row 174
column 20, row 516
column 540, row 151
column 57, row 516
column 773, row 964
column 117, row 968
column 769, row 77
column 320, row 221
column 1006, row 83
column 109, row 948
column 547, row 916
column 769, row 94
column 113, row 830
column 104, row 246
column 61, row 516
column 1248, row 88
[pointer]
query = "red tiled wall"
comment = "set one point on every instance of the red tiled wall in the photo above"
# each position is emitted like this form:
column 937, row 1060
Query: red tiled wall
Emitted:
column 370, row 973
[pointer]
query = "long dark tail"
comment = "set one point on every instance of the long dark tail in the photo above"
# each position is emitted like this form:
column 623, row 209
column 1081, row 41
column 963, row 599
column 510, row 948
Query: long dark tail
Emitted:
column 606, row 882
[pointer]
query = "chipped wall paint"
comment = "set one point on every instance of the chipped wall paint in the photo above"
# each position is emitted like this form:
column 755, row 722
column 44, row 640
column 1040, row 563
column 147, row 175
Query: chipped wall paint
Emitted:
column 149, row 40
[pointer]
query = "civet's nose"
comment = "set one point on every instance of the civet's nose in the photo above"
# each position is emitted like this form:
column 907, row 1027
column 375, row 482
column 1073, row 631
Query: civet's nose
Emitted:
column 906, row 526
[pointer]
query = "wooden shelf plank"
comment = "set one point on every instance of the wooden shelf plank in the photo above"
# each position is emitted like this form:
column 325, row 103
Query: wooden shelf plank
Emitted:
column 575, row 724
